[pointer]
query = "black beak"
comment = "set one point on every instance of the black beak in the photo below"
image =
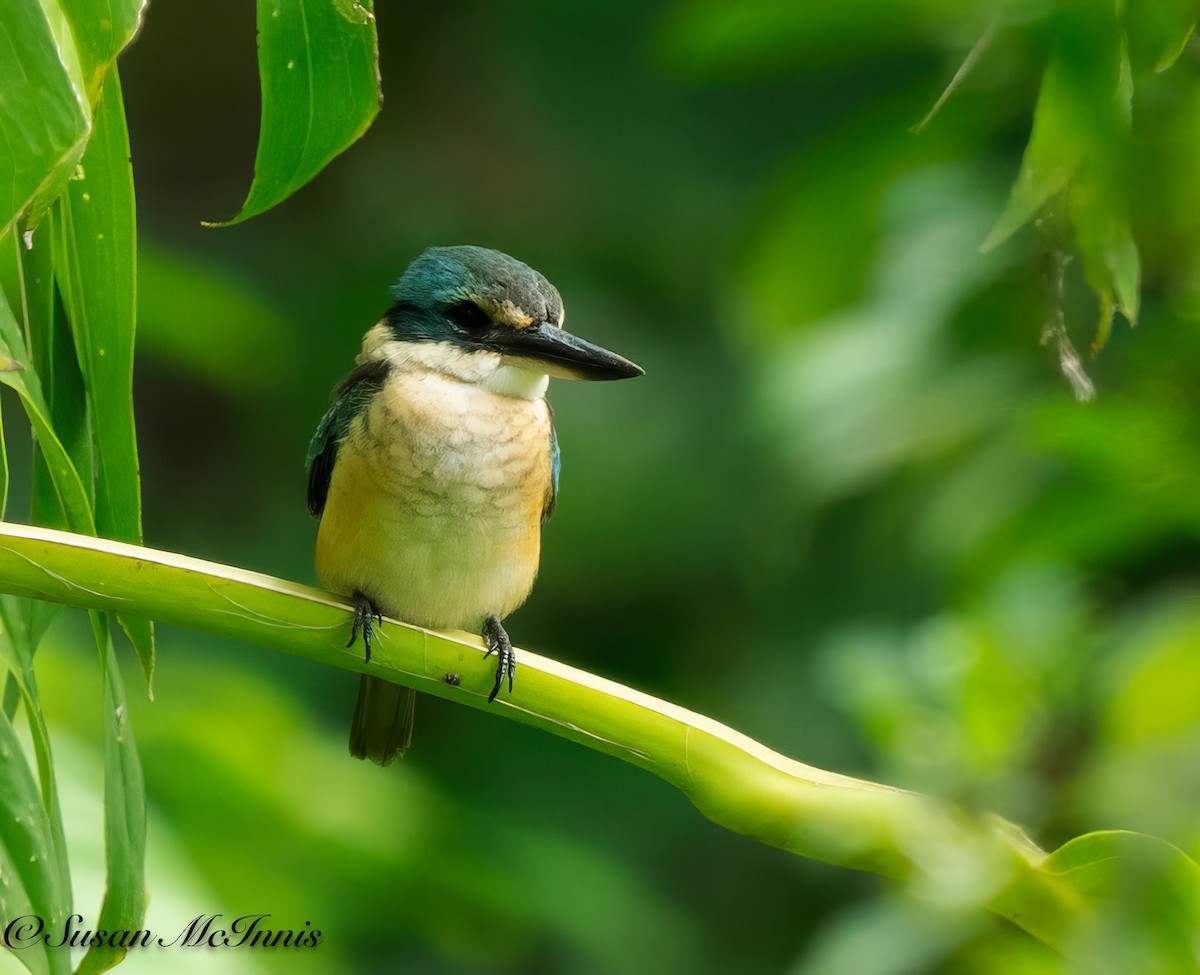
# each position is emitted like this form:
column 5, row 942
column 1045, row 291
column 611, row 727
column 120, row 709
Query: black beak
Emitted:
column 547, row 348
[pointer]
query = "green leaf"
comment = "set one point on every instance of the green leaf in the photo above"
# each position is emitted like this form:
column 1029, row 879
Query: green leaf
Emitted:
column 1159, row 32
column 27, row 842
column 318, row 64
column 1122, row 260
column 964, row 69
column 1080, row 144
column 1096, row 203
column 95, row 265
column 20, row 641
column 1138, row 881
column 68, row 487
column 52, row 351
column 53, row 371
column 101, row 29
column 59, row 496
column 1175, row 46
column 44, row 121
column 1081, row 121
column 58, row 390
column 124, row 905
column 1092, row 861
column 1110, row 256
column 54, row 56
column 1051, row 156
column 17, row 643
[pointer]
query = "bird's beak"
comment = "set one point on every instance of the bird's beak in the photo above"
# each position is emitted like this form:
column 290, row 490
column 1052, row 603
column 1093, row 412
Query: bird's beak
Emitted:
column 547, row 348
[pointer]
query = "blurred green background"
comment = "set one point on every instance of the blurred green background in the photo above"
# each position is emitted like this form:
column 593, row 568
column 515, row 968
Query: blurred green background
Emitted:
column 853, row 509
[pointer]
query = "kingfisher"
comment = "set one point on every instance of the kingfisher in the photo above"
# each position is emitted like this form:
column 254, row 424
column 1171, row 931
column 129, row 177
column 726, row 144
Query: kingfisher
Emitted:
column 436, row 467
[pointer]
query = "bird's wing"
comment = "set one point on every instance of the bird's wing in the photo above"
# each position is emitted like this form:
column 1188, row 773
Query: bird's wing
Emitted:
column 555, row 467
column 350, row 396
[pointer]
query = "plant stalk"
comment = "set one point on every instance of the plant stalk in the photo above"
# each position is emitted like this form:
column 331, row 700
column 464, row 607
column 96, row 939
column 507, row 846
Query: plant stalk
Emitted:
column 734, row 781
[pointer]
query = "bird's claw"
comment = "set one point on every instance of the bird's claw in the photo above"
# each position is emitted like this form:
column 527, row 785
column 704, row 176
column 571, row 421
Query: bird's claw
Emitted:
column 365, row 612
column 506, row 660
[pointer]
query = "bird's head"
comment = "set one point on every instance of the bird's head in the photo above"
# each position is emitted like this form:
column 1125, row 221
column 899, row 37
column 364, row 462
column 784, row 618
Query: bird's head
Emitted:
column 482, row 316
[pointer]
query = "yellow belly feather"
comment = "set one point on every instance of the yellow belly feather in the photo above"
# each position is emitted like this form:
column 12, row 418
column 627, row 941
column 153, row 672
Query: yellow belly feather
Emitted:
column 434, row 507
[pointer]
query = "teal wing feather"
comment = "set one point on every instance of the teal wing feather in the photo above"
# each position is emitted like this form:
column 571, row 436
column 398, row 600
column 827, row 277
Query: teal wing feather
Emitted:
column 351, row 395
column 555, row 467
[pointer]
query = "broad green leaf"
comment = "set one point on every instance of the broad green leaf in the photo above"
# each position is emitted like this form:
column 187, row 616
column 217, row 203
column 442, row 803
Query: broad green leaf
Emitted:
column 1051, row 156
column 94, row 263
column 1080, row 144
column 101, row 29
column 1091, row 862
column 1138, row 881
column 124, row 906
column 1081, row 120
column 44, row 120
column 53, row 59
column 27, row 839
column 318, row 65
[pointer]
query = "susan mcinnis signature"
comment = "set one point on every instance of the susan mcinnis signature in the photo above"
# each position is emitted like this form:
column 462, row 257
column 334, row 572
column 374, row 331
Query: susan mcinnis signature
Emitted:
column 202, row 931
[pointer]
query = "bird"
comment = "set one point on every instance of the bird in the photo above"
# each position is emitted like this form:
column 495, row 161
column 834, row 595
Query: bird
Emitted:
column 437, row 465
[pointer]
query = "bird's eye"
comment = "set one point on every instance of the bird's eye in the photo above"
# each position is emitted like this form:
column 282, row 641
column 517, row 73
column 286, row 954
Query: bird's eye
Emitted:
column 469, row 316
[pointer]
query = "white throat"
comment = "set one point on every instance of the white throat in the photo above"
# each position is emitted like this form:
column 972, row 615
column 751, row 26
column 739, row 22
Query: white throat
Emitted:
column 488, row 370
column 508, row 380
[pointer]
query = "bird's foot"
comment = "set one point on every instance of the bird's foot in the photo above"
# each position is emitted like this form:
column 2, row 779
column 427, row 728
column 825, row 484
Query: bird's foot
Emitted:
column 506, row 663
column 366, row 617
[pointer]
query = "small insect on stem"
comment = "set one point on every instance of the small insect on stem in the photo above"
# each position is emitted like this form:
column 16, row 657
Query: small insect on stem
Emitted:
column 451, row 678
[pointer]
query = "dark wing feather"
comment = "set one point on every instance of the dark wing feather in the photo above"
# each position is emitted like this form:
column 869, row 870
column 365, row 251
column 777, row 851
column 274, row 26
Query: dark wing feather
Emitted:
column 350, row 396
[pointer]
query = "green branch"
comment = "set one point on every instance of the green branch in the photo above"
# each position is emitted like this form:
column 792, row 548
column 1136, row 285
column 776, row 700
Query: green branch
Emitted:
column 733, row 780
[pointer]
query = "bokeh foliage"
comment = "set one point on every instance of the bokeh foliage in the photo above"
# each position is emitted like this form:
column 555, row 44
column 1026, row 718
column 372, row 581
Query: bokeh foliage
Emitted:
column 854, row 509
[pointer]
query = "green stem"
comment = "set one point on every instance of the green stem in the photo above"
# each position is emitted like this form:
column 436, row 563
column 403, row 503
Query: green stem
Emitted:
column 733, row 780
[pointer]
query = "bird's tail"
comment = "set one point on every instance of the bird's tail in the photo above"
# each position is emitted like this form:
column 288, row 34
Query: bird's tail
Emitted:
column 383, row 720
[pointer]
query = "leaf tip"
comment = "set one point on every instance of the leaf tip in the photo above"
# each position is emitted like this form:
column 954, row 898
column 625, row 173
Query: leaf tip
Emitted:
column 996, row 236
